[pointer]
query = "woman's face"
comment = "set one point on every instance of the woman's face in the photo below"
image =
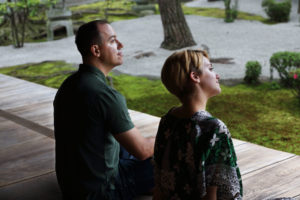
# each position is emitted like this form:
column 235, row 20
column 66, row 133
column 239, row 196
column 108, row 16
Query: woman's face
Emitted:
column 209, row 80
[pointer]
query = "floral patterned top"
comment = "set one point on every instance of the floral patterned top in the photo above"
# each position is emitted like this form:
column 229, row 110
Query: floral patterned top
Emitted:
column 192, row 154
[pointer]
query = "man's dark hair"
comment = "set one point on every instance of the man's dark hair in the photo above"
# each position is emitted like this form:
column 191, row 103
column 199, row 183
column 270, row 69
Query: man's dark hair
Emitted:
column 87, row 35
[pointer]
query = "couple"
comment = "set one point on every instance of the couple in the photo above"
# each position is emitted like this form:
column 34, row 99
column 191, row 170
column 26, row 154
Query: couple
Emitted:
column 101, row 155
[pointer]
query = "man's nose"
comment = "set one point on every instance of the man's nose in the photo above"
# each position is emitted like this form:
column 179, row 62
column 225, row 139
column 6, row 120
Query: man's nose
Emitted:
column 120, row 45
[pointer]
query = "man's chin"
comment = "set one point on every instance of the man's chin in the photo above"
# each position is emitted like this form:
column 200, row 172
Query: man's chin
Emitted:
column 118, row 64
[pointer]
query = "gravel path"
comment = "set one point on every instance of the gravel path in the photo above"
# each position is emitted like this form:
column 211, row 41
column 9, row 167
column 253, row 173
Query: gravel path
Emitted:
column 250, row 6
column 241, row 40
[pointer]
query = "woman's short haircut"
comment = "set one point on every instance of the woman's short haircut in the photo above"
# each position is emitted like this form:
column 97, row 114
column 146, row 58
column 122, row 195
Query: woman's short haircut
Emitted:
column 177, row 68
column 88, row 35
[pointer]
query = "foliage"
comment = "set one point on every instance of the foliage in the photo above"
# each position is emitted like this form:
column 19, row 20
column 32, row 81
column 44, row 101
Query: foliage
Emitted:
column 285, row 63
column 230, row 11
column 253, row 70
column 260, row 114
column 18, row 13
column 277, row 11
column 295, row 81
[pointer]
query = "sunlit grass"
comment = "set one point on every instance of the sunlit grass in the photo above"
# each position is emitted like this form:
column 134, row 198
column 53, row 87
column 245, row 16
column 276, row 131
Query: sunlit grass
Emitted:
column 257, row 114
column 118, row 6
column 220, row 13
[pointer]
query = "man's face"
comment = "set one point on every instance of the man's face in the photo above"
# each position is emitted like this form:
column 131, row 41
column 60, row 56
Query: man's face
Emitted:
column 110, row 49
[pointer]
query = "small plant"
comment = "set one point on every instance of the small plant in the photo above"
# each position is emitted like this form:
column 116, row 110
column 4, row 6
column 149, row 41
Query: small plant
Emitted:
column 277, row 11
column 253, row 70
column 275, row 85
column 285, row 63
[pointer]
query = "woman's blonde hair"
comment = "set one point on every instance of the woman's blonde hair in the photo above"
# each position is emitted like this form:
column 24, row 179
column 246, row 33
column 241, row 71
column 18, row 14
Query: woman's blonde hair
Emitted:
column 177, row 68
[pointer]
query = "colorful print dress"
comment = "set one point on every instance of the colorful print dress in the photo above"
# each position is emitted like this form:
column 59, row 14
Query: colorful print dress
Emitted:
column 192, row 154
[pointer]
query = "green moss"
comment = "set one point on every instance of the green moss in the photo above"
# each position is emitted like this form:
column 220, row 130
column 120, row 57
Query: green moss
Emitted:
column 117, row 6
column 220, row 13
column 50, row 74
column 103, row 4
column 257, row 114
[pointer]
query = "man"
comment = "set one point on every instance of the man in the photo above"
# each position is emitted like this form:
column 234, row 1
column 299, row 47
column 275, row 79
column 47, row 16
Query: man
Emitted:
column 91, row 122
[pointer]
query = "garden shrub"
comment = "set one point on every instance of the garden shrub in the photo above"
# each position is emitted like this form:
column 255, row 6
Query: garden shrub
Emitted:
column 277, row 11
column 287, row 65
column 295, row 76
column 253, row 70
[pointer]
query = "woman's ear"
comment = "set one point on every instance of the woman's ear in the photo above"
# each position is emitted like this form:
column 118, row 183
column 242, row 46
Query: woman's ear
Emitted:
column 195, row 77
column 95, row 50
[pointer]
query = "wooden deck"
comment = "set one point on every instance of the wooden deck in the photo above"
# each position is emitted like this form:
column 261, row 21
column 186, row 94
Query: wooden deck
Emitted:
column 27, row 150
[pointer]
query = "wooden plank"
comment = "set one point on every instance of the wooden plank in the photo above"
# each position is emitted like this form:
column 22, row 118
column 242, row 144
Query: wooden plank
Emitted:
column 237, row 142
column 41, row 113
column 146, row 122
column 26, row 160
column 136, row 116
column 12, row 133
column 43, row 187
column 27, row 123
column 252, row 157
column 149, row 129
column 274, row 181
column 19, row 83
column 38, row 107
column 144, row 197
column 22, row 88
column 30, row 98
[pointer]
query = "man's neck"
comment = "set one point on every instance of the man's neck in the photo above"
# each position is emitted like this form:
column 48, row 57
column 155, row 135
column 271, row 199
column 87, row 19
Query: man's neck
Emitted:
column 102, row 68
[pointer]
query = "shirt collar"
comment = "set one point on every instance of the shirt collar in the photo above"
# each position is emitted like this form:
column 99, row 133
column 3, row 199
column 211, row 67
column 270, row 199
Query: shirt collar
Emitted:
column 91, row 68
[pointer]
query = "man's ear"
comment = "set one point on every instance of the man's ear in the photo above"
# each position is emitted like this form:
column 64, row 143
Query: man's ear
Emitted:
column 95, row 50
column 195, row 77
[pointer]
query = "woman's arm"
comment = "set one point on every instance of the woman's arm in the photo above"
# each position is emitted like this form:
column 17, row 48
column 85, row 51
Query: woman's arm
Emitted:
column 211, row 193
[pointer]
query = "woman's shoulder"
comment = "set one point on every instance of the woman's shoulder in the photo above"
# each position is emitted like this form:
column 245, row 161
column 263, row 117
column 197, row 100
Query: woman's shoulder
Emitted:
column 210, row 123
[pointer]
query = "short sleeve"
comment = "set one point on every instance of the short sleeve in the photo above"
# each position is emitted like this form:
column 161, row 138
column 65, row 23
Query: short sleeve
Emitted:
column 220, row 164
column 117, row 116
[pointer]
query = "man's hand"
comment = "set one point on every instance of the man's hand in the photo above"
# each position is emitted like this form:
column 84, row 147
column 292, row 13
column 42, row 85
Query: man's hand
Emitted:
column 132, row 140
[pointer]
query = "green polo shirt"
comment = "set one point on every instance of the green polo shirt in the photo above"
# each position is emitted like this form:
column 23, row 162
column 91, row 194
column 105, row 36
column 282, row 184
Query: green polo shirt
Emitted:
column 87, row 113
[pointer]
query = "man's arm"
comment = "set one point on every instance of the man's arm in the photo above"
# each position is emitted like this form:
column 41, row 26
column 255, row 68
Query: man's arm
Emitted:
column 137, row 145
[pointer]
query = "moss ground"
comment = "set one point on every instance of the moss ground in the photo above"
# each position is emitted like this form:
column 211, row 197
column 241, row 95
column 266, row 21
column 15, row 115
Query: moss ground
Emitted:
column 220, row 13
column 122, row 9
column 257, row 114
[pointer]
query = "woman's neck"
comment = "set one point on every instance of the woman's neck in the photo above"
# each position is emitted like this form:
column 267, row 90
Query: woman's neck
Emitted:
column 190, row 105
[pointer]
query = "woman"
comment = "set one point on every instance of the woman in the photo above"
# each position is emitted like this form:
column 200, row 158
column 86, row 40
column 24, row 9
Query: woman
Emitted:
column 194, row 155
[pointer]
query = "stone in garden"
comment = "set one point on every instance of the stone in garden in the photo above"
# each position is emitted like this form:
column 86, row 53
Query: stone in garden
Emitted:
column 59, row 16
column 144, row 7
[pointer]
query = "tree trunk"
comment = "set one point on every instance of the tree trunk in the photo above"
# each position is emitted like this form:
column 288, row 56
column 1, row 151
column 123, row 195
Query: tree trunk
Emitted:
column 177, row 34
column 24, row 15
column 299, row 7
column 14, row 29
column 14, row 26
